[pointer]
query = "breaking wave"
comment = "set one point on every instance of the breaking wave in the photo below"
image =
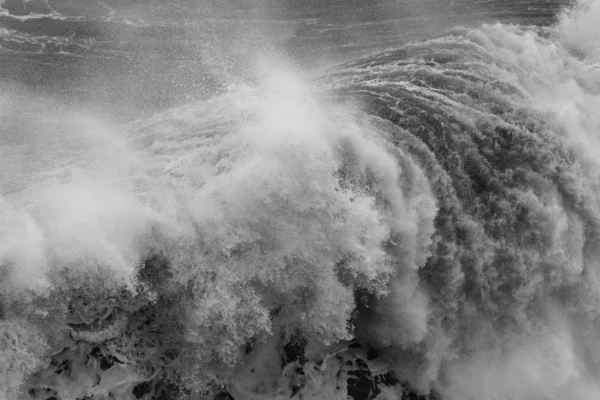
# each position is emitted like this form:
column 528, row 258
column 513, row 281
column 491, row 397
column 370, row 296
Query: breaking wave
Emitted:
column 425, row 220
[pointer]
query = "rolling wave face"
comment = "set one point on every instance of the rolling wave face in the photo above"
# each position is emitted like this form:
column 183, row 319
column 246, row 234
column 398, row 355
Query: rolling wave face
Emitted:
column 509, row 129
column 425, row 218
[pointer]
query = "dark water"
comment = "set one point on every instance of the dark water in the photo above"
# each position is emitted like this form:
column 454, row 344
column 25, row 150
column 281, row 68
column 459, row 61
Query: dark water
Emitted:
column 360, row 200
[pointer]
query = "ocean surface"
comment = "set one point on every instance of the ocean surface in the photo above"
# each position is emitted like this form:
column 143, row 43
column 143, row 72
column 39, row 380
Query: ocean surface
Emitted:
column 250, row 200
column 128, row 57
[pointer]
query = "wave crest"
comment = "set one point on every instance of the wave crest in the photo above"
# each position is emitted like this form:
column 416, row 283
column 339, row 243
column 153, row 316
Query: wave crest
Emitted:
column 425, row 217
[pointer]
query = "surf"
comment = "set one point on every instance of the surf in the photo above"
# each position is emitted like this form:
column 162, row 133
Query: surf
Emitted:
column 422, row 220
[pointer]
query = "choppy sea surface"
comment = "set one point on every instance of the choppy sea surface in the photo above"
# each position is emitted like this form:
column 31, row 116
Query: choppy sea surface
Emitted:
column 299, row 200
column 142, row 56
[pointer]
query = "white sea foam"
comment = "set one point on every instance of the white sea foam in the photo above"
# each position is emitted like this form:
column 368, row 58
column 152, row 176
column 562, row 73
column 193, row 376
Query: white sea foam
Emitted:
column 279, row 211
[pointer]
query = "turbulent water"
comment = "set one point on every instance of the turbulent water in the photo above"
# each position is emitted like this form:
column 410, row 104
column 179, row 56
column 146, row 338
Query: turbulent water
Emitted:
column 416, row 215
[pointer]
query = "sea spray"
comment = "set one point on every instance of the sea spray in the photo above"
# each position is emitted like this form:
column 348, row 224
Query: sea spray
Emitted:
column 425, row 218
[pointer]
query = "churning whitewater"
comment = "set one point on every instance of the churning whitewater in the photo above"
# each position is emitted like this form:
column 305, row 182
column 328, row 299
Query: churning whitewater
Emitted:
column 420, row 222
